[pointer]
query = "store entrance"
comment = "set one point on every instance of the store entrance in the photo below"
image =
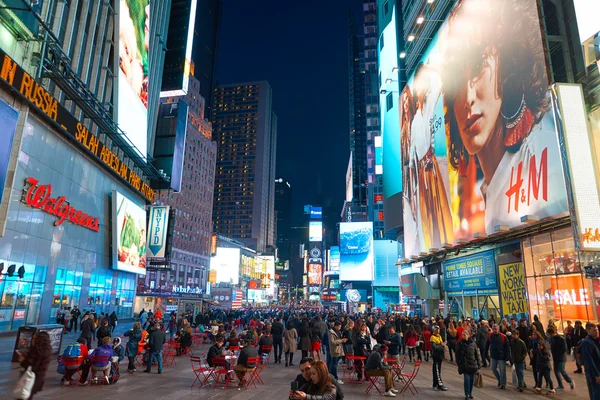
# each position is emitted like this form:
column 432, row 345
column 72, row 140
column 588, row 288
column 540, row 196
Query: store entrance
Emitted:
column 467, row 304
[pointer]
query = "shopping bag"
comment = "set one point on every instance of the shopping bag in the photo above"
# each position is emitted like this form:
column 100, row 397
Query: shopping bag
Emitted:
column 515, row 380
column 478, row 380
column 573, row 354
column 24, row 385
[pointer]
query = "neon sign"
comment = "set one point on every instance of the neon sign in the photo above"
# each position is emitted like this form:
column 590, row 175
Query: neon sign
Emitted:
column 39, row 197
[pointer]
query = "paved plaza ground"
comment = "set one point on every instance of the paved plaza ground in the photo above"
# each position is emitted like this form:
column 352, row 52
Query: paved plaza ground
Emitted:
column 175, row 381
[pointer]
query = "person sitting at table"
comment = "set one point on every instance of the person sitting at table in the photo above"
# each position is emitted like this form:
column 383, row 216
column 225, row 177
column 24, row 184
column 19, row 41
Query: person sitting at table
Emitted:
column 376, row 366
column 243, row 365
column 318, row 387
column 233, row 339
column 84, row 367
column 184, row 338
column 216, row 350
column 264, row 341
column 303, row 377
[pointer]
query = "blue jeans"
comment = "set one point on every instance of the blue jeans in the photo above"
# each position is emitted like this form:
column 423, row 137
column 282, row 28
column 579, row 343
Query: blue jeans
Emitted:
column 333, row 363
column 559, row 369
column 520, row 370
column 469, row 381
column 499, row 370
column 158, row 356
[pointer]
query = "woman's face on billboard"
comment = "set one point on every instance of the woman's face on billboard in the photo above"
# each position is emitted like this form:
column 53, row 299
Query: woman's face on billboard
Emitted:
column 477, row 105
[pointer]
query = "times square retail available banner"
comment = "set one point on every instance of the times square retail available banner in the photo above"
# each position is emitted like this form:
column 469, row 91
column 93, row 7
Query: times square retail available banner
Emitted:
column 479, row 146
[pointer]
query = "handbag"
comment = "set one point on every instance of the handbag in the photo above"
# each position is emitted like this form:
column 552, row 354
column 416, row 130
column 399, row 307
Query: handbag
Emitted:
column 478, row 380
column 24, row 385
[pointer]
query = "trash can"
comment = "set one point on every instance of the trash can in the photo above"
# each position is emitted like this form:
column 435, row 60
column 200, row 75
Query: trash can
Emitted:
column 25, row 335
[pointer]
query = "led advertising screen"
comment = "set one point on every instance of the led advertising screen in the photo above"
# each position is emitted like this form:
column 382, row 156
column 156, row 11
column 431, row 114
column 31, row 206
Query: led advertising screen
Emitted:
column 315, row 274
column 334, row 258
column 128, row 235
column 356, row 251
column 386, row 256
column 588, row 18
column 479, row 143
column 134, row 23
column 227, row 265
column 256, row 295
column 8, row 122
column 316, row 212
column 315, row 231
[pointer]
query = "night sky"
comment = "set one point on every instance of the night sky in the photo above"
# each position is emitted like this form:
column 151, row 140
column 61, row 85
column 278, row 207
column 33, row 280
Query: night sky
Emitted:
column 301, row 49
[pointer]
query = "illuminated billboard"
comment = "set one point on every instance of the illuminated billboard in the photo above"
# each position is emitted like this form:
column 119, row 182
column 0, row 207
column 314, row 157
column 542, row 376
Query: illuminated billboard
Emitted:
column 132, row 111
column 588, row 22
column 227, row 265
column 316, row 212
column 334, row 258
column 178, row 57
column 315, row 231
column 386, row 256
column 356, row 251
column 157, row 231
column 315, row 274
column 128, row 235
column 478, row 136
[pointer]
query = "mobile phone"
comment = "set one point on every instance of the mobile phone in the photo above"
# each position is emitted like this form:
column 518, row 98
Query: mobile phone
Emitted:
column 294, row 385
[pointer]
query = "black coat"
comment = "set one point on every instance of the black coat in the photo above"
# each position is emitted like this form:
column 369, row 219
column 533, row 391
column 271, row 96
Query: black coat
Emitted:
column 156, row 341
column 102, row 332
column 468, row 357
column 277, row 332
column 87, row 329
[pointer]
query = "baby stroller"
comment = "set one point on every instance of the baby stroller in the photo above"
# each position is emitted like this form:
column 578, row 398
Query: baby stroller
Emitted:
column 114, row 374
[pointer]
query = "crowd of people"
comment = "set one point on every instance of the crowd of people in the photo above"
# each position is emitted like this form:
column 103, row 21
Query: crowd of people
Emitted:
column 326, row 338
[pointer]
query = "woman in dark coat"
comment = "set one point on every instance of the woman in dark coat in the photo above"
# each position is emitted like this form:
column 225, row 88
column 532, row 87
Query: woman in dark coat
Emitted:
column 305, row 343
column 38, row 358
column 131, row 351
column 468, row 361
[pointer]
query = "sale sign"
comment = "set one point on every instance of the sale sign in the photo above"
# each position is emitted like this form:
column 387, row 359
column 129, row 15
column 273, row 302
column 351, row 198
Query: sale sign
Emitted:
column 571, row 298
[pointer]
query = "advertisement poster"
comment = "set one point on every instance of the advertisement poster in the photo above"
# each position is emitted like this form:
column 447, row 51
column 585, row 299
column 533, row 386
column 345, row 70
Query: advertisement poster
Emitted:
column 227, row 265
column 315, row 274
column 477, row 271
column 134, row 23
column 386, row 256
column 129, row 235
column 513, row 289
column 334, row 258
column 478, row 137
column 222, row 297
column 315, row 231
column 157, row 232
column 356, row 251
column 571, row 298
column 8, row 122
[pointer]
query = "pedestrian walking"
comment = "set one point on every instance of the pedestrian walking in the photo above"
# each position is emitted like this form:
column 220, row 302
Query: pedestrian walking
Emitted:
column 499, row 353
column 437, row 356
column 558, row 349
column 468, row 361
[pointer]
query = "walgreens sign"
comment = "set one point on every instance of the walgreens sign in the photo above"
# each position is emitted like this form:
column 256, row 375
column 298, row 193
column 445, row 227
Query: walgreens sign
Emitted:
column 40, row 197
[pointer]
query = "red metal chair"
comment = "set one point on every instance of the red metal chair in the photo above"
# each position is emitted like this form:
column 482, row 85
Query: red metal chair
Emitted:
column 169, row 353
column 202, row 372
column 409, row 378
column 105, row 370
column 397, row 369
column 252, row 374
column 73, row 368
column 266, row 350
column 374, row 383
column 221, row 372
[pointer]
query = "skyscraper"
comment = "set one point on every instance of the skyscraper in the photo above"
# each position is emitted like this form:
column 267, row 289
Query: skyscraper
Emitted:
column 192, row 224
column 245, row 129
column 283, row 216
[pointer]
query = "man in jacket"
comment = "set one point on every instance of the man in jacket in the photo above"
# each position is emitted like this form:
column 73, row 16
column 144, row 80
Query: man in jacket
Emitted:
column 579, row 333
column 558, row 348
column 393, row 342
column 87, row 329
column 277, row 333
column 590, row 353
column 264, row 343
column 437, row 356
column 155, row 346
column 216, row 350
column 519, row 353
column 243, row 365
column 336, row 349
column 499, row 353
column 376, row 366
column 75, row 313
column 481, row 340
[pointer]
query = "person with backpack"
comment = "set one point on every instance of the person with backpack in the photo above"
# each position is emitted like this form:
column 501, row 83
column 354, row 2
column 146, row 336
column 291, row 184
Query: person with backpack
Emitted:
column 75, row 350
column 437, row 356
column 469, row 362
column 499, row 353
column 558, row 348
column 577, row 336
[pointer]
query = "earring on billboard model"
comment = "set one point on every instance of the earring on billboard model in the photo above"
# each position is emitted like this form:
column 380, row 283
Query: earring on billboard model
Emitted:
column 518, row 125
column 462, row 164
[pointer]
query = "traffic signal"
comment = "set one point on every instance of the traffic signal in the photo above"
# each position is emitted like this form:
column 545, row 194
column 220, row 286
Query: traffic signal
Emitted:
column 21, row 272
column 11, row 269
column 1, row 268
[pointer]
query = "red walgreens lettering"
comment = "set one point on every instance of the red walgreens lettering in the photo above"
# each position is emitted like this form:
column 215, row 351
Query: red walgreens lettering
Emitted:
column 39, row 197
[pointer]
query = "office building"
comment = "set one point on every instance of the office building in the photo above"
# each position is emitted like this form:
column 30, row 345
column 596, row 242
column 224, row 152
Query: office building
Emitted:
column 191, row 207
column 283, row 217
column 245, row 129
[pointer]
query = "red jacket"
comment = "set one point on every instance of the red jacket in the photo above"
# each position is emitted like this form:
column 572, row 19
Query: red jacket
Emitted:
column 427, row 340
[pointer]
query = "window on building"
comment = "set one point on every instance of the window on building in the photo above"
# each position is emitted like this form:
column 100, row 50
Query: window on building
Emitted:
column 389, row 102
column 386, row 8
